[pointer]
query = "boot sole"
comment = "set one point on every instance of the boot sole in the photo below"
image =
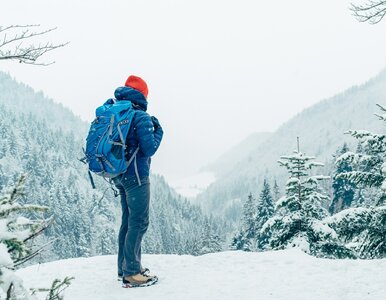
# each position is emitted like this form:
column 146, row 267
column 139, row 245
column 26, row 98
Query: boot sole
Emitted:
column 135, row 285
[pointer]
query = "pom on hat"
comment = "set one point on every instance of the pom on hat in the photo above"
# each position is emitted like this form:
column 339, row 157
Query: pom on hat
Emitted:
column 138, row 84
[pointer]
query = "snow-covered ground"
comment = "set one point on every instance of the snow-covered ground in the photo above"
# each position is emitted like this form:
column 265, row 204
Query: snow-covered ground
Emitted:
column 289, row 274
column 191, row 186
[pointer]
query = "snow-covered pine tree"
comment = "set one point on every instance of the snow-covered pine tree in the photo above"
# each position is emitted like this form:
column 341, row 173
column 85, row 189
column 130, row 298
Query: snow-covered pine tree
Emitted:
column 298, row 221
column 210, row 240
column 265, row 211
column 364, row 228
column 246, row 237
column 276, row 191
column 16, row 231
column 343, row 189
column 103, row 223
column 359, row 195
column 193, row 246
column 359, row 198
column 369, row 166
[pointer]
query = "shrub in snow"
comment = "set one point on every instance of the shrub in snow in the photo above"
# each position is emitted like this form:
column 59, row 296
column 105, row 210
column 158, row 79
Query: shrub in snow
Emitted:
column 298, row 219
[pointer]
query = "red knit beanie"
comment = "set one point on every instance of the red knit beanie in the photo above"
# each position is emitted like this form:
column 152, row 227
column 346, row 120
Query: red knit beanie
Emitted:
column 138, row 84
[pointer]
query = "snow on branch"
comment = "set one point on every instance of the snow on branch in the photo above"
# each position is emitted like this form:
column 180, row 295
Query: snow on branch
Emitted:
column 316, row 178
column 19, row 42
column 359, row 133
column 363, row 178
column 312, row 164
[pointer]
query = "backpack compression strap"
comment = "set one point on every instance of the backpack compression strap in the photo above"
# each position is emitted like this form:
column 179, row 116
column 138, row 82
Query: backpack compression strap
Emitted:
column 134, row 157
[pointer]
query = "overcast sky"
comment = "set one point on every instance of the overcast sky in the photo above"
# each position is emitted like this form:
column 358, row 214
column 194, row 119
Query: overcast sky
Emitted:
column 217, row 71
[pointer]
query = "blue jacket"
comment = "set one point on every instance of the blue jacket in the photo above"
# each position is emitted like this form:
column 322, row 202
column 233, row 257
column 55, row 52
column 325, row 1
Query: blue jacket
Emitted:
column 141, row 134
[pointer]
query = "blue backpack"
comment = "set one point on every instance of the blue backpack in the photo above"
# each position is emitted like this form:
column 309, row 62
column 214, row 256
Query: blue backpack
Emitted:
column 106, row 140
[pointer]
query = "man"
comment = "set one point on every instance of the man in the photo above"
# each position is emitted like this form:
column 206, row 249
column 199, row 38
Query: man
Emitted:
column 142, row 142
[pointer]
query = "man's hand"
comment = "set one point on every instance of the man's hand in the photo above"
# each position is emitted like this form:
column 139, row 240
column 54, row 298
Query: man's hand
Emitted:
column 156, row 123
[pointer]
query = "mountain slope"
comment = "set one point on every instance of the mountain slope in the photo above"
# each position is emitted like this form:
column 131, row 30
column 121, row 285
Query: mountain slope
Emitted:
column 227, row 161
column 22, row 99
column 288, row 274
column 321, row 130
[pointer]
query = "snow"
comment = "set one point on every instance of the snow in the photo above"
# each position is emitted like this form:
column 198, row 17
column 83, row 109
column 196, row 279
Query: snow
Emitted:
column 383, row 168
column 293, row 180
column 319, row 177
column 322, row 227
column 287, row 274
column 347, row 213
column 5, row 258
column 297, row 155
column 301, row 242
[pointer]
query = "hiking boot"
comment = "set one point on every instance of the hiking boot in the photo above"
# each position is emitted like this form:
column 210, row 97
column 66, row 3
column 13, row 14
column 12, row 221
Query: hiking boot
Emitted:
column 144, row 271
column 138, row 280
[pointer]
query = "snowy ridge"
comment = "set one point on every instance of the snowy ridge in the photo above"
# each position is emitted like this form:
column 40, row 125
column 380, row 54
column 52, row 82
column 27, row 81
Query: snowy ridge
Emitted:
column 289, row 274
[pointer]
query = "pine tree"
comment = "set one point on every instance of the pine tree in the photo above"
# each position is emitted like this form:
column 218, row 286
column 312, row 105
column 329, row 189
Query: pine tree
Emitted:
column 343, row 189
column 299, row 214
column 359, row 199
column 359, row 148
column 193, row 246
column 210, row 240
column 265, row 211
column 276, row 191
column 245, row 238
column 363, row 229
column 369, row 165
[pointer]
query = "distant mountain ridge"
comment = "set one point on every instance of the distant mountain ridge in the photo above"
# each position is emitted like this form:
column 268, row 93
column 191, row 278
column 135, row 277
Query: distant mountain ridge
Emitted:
column 21, row 98
column 321, row 130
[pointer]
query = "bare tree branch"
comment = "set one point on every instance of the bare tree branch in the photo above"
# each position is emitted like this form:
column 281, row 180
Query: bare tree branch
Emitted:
column 23, row 260
column 373, row 11
column 46, row 224
column 18, row 42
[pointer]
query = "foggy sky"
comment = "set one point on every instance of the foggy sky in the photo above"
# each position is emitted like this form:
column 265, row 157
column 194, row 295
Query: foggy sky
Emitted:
column 217, row 71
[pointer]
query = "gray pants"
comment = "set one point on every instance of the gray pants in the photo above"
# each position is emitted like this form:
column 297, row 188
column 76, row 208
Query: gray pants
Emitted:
column 135, row 200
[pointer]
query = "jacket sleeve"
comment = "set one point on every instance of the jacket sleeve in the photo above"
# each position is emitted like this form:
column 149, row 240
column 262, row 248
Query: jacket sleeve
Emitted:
column 149, row 138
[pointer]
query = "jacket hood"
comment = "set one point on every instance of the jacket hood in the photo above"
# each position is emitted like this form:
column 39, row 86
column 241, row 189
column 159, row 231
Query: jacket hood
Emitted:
column 128, row 93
